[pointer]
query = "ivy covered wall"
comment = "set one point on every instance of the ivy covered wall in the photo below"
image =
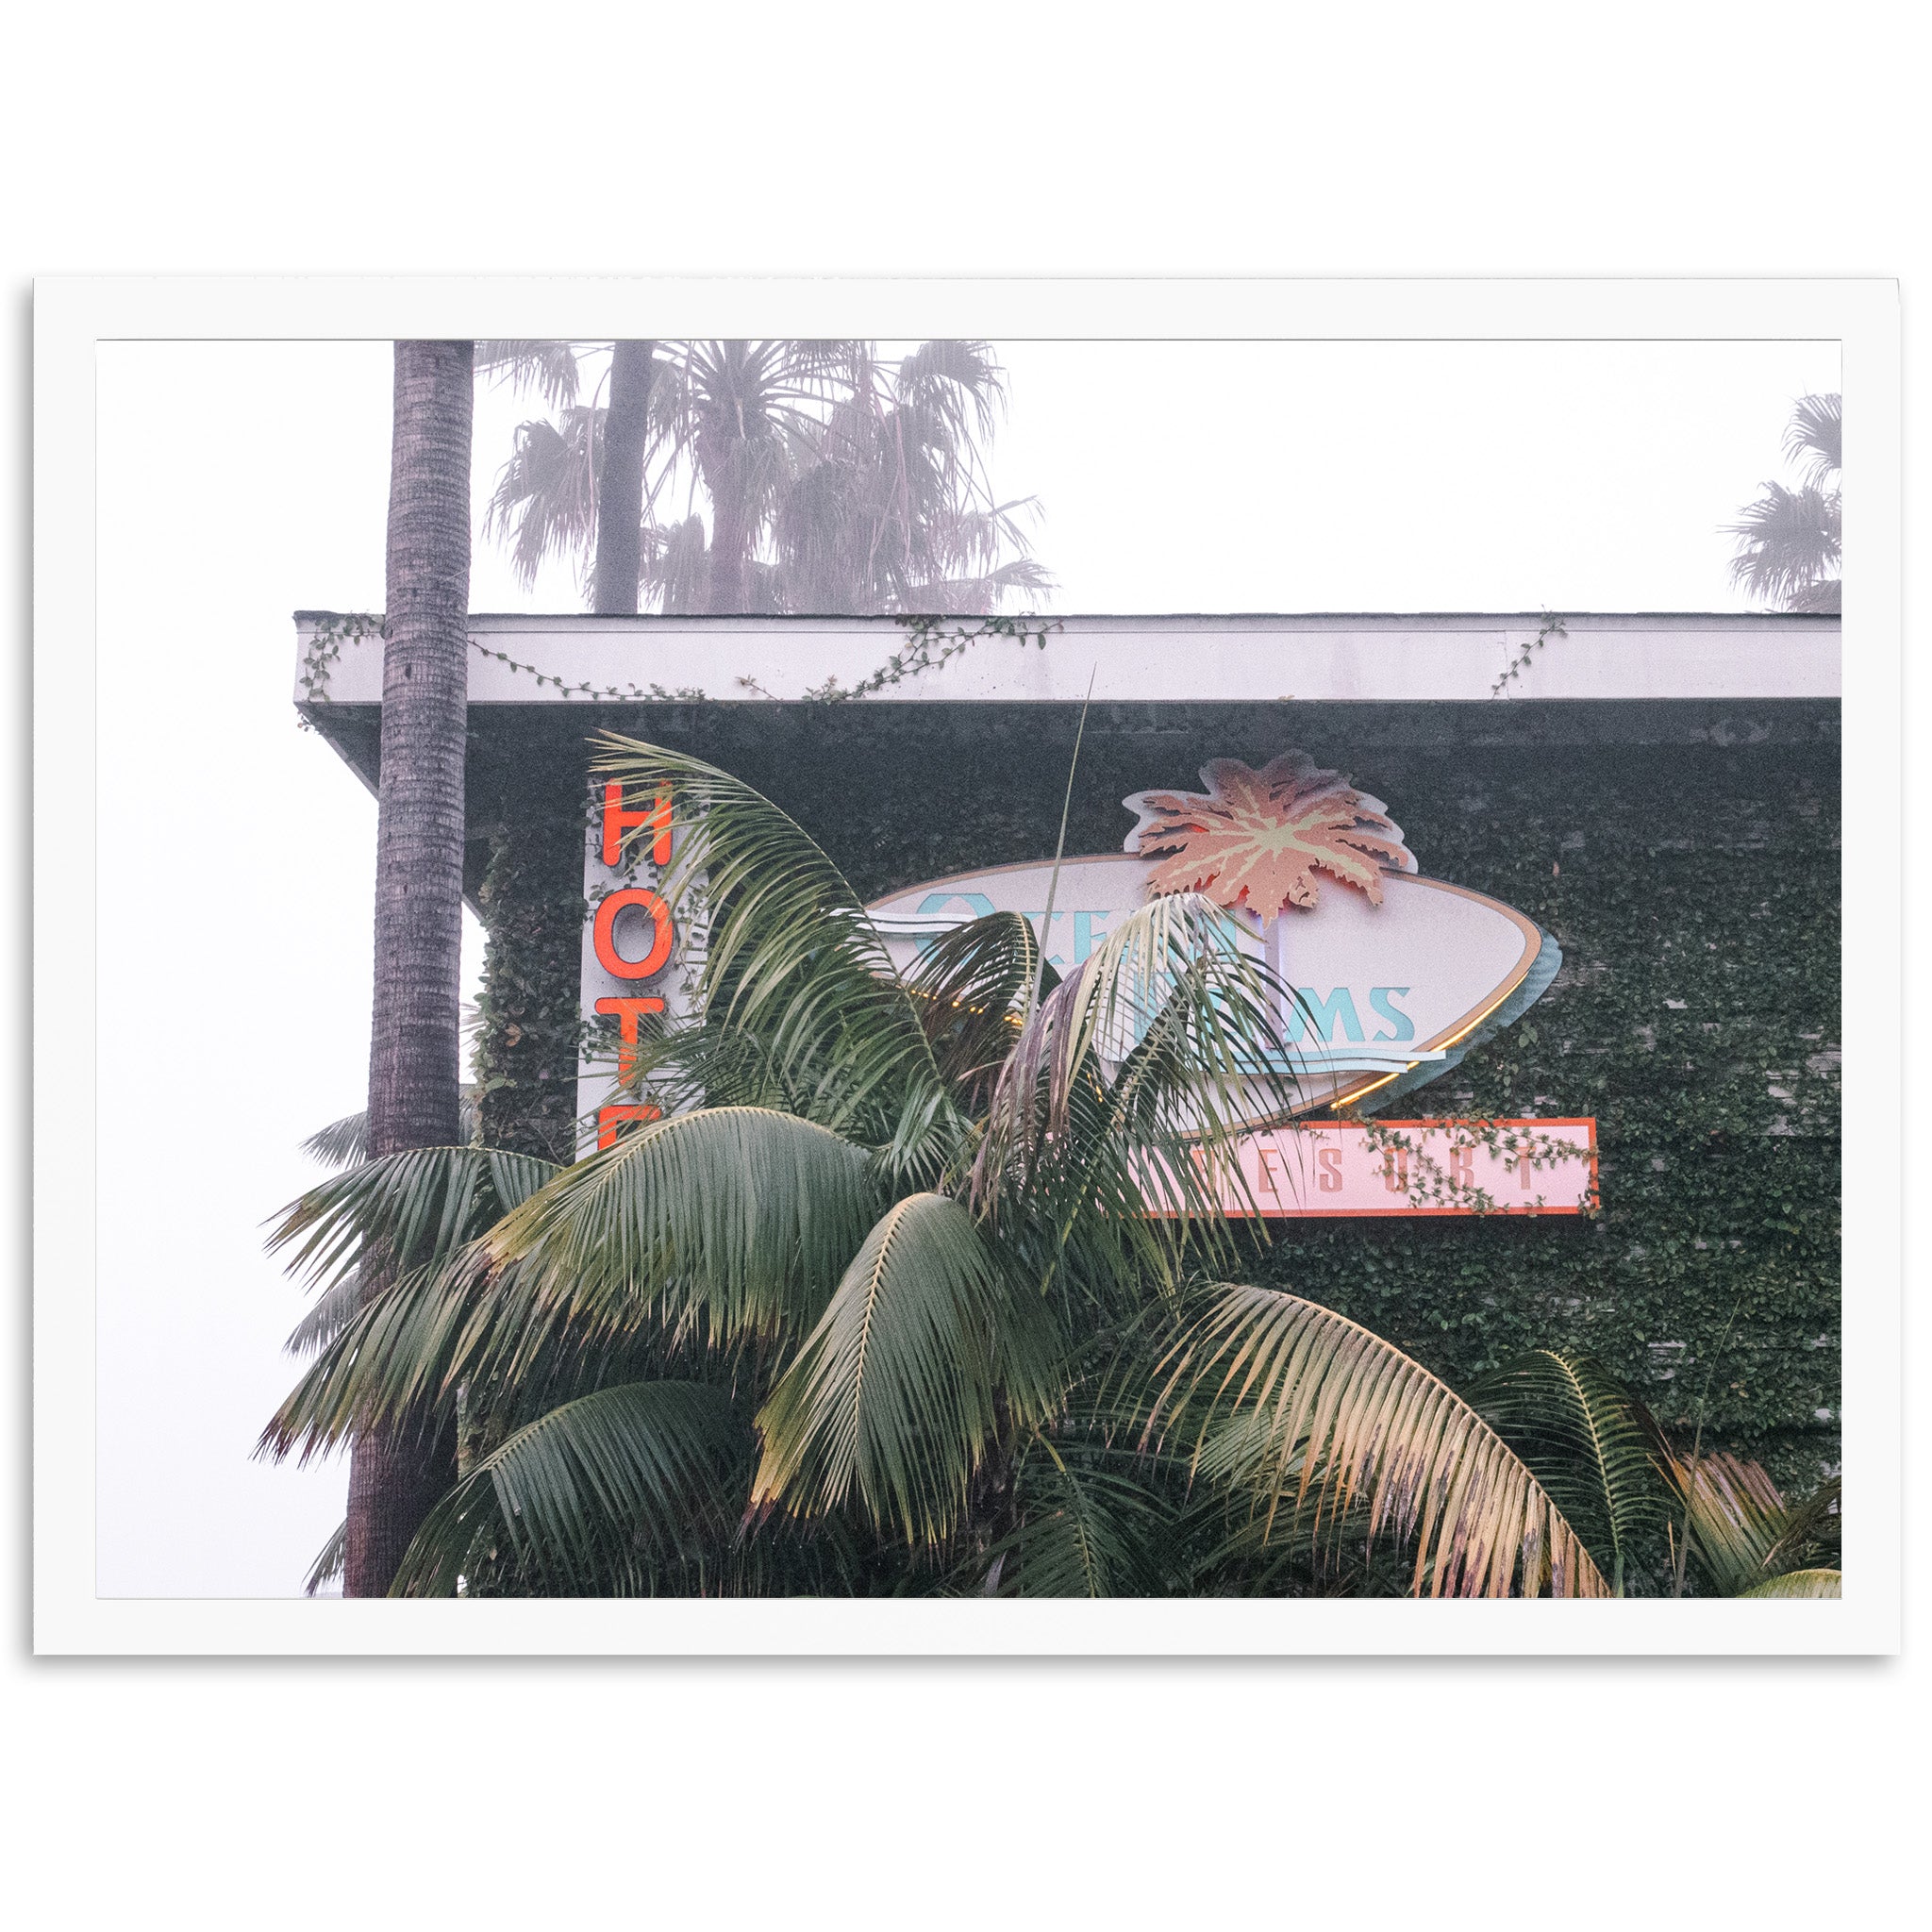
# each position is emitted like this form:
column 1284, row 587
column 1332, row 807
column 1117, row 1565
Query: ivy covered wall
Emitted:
column 1687, row 864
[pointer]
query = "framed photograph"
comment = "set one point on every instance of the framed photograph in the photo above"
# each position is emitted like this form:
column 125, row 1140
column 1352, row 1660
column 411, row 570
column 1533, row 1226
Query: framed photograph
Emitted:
column 1146, row 967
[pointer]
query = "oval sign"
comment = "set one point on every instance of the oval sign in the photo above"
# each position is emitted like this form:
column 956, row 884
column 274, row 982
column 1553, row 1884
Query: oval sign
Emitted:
column 1394, row 995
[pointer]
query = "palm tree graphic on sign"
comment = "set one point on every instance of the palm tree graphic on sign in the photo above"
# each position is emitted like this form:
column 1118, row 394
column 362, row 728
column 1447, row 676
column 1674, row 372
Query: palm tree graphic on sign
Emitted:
column 1255, row 840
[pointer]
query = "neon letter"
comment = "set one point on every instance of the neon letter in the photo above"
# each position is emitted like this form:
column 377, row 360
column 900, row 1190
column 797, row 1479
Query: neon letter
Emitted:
column 605, row 944
column 628, row 1011
column 608, row 1118
column 617, row 822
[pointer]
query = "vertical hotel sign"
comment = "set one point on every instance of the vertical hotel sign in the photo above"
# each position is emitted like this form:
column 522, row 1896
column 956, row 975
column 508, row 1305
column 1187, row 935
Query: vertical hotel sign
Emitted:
column 642, row 959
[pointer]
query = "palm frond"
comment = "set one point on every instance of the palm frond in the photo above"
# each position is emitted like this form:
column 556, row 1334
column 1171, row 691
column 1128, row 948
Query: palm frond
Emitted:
column 1084, row 1530
column 549, row 368
column 545, row 499
column 746, row 1215
column 1135, row 1079
column 341, row 1143
column 1816, row 436
column 1811, row 1583
column 382, row 1365
column 1789, row 542
column 345, row 1142
column 894, row 1399
column 1734, row 1515
column 1591, row 1444
column 1825, row 598
column 329, row 1561
column 331, row 1311
column 1813, row 1530
column 1301, row 1410
column 1734, row 1518
column 968, row 987
column 573, row 1502
column 418, row 1207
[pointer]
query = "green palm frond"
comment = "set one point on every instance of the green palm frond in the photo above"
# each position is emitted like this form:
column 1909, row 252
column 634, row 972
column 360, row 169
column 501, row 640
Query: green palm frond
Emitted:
column 1169, row 983
column 583, row 1498
column 1136, row 1078
column 1303, row 1410
column 1591, row 1444
column 345, row 1142
column 341, row 1143
column 417, row 1208
column 329, row 1560
column 330, row 1312
column 747, row 1215
column 1813, row 1530
column 1737, row 1527
column 1811, row 1583
column 485, row 1345
column 894, row 1398
column 967, row 989
column 707, row 1064
column 1084, row 1530
column 793, row 957
column 1733, row 1517
column 381, row 1364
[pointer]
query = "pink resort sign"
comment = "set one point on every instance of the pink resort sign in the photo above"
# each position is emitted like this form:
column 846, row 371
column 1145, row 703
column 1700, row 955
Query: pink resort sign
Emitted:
column 1416, row 1167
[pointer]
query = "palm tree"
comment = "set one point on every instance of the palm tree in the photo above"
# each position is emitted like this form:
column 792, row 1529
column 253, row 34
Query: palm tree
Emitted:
column 581, row 486
column 414, row 1084
column 621, row 479
column 1647, row 1509
column 891, row 509
column 1790, row 541
column 837, row 481
column 878, row 1303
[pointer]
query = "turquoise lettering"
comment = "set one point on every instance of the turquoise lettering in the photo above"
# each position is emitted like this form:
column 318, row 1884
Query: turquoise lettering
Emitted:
column 1325, row 1015
column 980, row 905
column 1380, row 998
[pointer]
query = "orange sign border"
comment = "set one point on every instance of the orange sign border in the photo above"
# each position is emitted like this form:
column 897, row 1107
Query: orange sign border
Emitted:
column 1587, row 1121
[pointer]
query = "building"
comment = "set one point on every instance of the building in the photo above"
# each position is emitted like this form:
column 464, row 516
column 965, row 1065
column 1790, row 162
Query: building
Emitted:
column 1660, row 794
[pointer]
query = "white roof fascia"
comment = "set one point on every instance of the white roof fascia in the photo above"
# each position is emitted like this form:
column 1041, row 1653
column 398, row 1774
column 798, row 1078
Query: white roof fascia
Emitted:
column 1362, row 659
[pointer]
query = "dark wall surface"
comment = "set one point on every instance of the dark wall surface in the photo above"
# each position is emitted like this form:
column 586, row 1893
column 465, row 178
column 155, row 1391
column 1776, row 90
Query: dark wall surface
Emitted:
column 1686, row 858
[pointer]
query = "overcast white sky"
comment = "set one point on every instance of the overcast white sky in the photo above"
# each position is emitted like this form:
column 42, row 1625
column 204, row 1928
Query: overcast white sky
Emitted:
column 240, row 482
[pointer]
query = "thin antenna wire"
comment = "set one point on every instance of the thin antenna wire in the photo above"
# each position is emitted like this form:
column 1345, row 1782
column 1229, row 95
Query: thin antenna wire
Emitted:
column 1053, row 884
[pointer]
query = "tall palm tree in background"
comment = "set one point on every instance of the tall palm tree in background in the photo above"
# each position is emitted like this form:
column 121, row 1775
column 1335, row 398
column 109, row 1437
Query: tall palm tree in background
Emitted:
column 621, row 479
column 1790, row 541
column 837, row 481
column 414, row 1083
column 883, row 1309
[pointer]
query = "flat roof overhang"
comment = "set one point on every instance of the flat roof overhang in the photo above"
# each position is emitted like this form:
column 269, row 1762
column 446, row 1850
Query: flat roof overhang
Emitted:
column 1341, row 687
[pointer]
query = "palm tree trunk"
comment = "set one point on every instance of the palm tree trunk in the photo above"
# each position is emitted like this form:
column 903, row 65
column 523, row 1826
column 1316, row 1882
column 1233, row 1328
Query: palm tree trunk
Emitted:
column 730, row 539
column 620, row 480
column 414, row 1075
